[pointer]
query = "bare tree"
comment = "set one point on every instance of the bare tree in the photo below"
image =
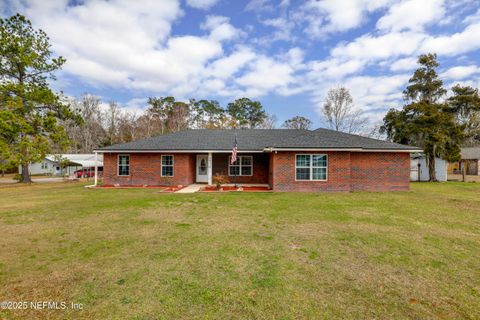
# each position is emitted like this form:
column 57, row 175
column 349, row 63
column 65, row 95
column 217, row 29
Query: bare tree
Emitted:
column 297, row 122
column 111, row 121
column 340, row 112
column 127, row 127
column 147, row 125
column 375, row 132
column 90, row 133
column 178, row 116
column 270, row 122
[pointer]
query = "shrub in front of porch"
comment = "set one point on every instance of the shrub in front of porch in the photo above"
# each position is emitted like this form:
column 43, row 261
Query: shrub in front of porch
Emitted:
column 219, row 180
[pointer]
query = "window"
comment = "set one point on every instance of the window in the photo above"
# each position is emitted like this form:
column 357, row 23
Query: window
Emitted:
column 167, row 166
column 44, row 165
column 123, row 165
column 242, row 167
column 311, row 167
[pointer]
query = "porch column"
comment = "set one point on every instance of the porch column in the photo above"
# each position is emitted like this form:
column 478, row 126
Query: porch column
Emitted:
column 96, row 170
column 209, row 168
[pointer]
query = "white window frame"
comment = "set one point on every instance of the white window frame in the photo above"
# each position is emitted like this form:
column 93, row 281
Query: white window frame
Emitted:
column 118, row 165
column 311, row 166
column 172, row 165
column 240, row 166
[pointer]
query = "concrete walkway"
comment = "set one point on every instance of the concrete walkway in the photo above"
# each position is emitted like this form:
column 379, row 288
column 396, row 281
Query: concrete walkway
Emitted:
column 190, row 189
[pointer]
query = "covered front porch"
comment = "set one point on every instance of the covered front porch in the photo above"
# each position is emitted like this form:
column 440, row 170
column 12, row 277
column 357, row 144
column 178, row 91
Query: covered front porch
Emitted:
column 250, row 168
column 241, row 187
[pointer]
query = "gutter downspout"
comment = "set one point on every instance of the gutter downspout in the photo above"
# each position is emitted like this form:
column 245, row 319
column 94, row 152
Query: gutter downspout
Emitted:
column 96, row 173
column 96, row 170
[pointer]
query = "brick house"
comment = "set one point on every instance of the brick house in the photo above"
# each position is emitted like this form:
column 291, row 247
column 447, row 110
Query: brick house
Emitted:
column 285, row 159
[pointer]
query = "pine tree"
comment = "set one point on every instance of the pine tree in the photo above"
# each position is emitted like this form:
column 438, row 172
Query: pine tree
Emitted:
column 29, row 109
column 425, row 121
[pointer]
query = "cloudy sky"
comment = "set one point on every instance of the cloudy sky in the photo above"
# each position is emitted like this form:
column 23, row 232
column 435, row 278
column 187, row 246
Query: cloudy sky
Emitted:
column 284, row 53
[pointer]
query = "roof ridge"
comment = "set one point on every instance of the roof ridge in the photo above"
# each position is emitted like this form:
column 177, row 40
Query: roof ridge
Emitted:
column 357, row 136
column 254, row 139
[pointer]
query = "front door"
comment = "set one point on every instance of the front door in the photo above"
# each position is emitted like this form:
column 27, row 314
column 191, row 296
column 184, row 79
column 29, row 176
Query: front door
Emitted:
column 202, row 168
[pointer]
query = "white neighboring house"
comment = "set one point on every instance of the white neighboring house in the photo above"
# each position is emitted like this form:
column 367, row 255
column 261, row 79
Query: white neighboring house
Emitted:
column 440, row 168
column 51, row 166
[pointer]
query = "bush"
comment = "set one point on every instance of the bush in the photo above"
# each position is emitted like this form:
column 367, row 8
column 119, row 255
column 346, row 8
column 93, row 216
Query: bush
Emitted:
column 18, row 177
column 220, row 179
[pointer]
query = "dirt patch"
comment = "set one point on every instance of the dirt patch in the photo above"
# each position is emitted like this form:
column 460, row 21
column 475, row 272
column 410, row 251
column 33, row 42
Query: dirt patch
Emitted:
column 162, row 188
column 233, row 188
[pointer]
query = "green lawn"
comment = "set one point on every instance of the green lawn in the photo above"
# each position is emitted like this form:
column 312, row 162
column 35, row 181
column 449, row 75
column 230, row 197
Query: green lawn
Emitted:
column 140, row 254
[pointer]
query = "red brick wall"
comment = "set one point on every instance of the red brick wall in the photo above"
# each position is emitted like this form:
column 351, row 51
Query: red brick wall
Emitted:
column 347, row 171
column 260, row 168
column 377, row 171
column 145, row 170
column 338, row 173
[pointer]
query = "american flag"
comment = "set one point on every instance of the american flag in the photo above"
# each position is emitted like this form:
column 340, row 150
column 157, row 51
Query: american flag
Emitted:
column 233, row 158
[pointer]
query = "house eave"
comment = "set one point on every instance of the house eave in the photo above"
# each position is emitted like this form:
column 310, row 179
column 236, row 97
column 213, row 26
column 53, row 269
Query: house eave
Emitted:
column 342, row 149
column 176, row 151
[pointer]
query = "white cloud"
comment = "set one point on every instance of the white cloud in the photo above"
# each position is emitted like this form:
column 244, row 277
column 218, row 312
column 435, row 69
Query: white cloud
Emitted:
column 284, row 28
column 259, row 5
column 327, row 16
column 460, row 72
column 92, row 70
column 377, row 94
column 334, row 68
column 403, row 64
column 454, row 44
column 473, row 18
column 370, row 47
column 220, row 28
column 202, row 4
column 121, row 44
column 267, row 74
column 135, row 105
column 412, row 15
column 371, row 91
column 226, row 67
column 127, row 45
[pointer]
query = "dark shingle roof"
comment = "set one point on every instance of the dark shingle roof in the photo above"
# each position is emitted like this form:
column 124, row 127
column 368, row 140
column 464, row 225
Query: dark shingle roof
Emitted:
column 326, row 138
column 255, row 140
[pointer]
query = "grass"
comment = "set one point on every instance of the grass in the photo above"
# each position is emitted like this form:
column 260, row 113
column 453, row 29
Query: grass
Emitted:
column 140, row 254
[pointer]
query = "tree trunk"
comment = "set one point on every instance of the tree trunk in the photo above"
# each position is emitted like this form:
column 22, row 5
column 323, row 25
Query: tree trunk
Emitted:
column 431, row 167
column 3, row 173
column 26, row 174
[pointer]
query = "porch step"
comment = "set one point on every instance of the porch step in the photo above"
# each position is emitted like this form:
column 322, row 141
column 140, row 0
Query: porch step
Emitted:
column 190, row 189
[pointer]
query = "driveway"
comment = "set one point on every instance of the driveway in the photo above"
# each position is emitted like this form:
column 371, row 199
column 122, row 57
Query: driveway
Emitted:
column 37, row 180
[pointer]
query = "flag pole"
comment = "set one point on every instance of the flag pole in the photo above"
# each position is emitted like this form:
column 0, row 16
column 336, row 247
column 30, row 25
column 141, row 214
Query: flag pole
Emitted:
column 236, row 159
